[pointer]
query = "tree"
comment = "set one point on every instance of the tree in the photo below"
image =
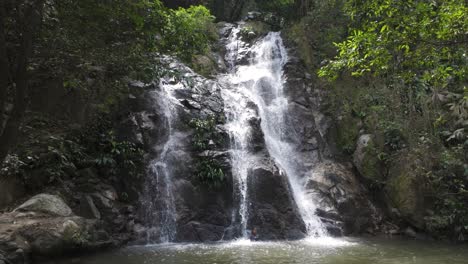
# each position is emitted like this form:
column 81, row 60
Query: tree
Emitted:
column 411, row 39
column 69, row 40
column 302, row 7
column 421, row 44
column 19, row 23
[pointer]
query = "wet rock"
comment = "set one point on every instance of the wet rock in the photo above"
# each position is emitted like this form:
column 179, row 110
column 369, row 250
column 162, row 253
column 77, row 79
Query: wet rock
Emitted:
column 198, row 232
column 257, row 140
column 136, row 84
column 333, row 230
column 253, row 16
column 272, row 209
column 46, row 203
column 330, row 214
column 409, row 232
column 343, row 199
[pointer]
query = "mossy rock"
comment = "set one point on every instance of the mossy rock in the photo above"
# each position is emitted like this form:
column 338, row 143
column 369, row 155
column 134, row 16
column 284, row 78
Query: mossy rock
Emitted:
column 366, row 159
column 405, row 190
column 204, row 65
column 251, row 30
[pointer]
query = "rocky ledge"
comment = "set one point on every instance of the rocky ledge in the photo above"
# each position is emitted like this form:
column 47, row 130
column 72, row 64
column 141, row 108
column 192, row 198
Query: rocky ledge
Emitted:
column 45, row 227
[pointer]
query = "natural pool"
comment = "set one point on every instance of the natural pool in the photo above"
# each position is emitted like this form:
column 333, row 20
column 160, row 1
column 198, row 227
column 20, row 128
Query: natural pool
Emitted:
column 310, row 251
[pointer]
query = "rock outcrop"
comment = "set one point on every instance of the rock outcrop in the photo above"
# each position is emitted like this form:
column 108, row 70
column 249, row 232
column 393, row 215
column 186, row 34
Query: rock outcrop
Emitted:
column 46, row 203
column 273, row 211
column 344, row 203
column 39, row 229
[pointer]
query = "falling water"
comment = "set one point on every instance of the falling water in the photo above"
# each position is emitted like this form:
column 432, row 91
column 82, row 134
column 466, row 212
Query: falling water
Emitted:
column 261, row 82
column 158, row 199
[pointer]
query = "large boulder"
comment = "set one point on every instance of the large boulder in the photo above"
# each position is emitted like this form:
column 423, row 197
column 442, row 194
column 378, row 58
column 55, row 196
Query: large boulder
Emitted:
column 46, row 203
column 272, row 209
column 406, row 190
column 343, row 202
column 366, row 159
column 49, row 240
column 34, row 236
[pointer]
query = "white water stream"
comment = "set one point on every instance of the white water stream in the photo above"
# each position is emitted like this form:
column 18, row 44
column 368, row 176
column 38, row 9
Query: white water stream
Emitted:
column 160, row 209
column 261, row 82
column 252, row 91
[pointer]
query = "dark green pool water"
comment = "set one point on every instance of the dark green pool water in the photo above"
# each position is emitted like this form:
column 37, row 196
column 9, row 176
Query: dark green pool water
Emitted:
column 323, row 251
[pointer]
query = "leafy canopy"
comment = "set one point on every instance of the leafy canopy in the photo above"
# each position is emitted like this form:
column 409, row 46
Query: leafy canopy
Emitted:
column 416, row 40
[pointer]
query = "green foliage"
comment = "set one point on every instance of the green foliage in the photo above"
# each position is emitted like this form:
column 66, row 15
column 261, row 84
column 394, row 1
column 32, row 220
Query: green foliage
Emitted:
column 11, row 166
column 401, row 70
column 209, row 172
column 315, row 33
column 118, row 155
column 284, row 8
column 413, row 39
column 107, row 152
column 450, row 182
column 205, row 131
column 96, row 46
column 53, row 153
column 188, row 32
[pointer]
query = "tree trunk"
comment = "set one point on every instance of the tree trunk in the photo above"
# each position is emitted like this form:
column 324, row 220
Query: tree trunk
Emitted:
column 4, row 67
column 30, row 22
column 302, row 7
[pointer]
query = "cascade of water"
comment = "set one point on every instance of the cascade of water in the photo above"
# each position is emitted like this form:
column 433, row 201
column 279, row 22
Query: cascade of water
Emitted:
column 158, row 199
column 262, row 82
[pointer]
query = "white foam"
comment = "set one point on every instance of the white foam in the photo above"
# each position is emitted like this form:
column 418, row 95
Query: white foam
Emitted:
column 328, row 242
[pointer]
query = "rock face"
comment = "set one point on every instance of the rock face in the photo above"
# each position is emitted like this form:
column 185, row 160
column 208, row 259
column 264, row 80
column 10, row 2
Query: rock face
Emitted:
column 203, row 214
column 273, row 211
column 343, row 202
column 46, row 203
column 45, row 226
column 199, row 213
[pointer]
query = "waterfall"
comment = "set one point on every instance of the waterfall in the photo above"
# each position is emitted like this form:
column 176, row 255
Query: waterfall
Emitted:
column 158, row 199
column 261, row 82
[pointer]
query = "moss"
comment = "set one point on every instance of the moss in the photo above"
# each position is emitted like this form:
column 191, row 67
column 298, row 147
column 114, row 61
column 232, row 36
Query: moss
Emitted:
column 297, row 33
column 347, row 134
column 372, row 165
column 258, row 27
column 406, row 190
column 73, row 234
column 204, row 65
column 402, row 193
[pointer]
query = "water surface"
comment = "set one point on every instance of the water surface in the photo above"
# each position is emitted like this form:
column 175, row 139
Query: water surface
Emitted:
column 312, row 251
